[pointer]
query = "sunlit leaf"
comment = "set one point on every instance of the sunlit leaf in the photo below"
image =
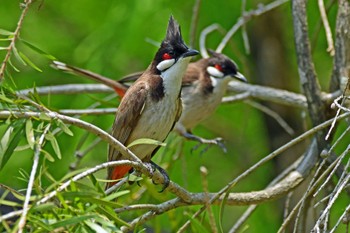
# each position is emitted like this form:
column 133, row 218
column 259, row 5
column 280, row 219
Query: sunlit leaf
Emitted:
column 13, row 66
column 147, row 141
column 30, row 133
column 64, row 127
column 38, row 50
column 95, row 227
column 47, row 155
column 3, row 48
column 29, row 62
column 44, row 116
column 5, row 32
column 50, row 137
column 18, row 132
column 72, row 220
column 18, row 57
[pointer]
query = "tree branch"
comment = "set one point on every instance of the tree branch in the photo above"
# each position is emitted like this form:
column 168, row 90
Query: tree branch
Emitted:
column 14, row 38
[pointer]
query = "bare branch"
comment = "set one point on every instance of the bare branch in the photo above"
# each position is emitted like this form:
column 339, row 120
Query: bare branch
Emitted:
column 245, row 18
column 341, row 60
column 306, row 67
column 327, row 28
column 37, row 152
column 194, row 22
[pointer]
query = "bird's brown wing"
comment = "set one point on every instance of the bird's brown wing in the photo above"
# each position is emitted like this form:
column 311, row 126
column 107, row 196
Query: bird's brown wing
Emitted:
column 191, row 75
column 130, row 78
column 129, row 112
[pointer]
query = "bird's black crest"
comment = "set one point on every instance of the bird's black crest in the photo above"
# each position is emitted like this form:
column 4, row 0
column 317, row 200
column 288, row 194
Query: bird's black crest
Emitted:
column 173, row 33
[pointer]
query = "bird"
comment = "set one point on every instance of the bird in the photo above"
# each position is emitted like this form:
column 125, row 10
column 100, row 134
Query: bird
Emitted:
column 203, row 86
column 152, row 105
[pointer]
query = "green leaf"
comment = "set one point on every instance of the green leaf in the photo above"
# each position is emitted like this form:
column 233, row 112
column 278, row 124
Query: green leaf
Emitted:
column 64, row 127
column 147, row 141
column 30, row 133
column 5, row 99
column 11, row 146
column 5, row 32
column 3, row 48
column 19, row 58
column 109, row 212
column 28, row 61
column 197, row 226
column 72, row 220
column 47, row 155
column 38, row 50
column 44, row 116
column 222, row 208
column 5, row 139
column 50, row 137
column 95, row 227
column 13, row 66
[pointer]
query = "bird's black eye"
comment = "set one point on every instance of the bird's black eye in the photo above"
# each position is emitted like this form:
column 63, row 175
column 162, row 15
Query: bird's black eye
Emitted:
column 218, row 67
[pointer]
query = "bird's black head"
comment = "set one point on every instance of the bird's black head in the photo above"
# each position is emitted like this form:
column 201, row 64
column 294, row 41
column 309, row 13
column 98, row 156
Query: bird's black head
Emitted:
column 220, row 66
column 172, row 48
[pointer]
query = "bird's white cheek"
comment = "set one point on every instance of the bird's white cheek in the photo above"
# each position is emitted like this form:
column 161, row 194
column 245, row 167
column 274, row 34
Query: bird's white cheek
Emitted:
column 163, row 65
column 215, row 72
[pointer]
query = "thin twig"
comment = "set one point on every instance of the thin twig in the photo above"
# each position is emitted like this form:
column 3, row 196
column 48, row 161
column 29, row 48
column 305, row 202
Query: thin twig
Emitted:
column 204, row 173
column 14, row 38
column 327, row 28
column 204, row 33
column 272, row 114
column 194, row 22
column 37, row 152
column 245, row 18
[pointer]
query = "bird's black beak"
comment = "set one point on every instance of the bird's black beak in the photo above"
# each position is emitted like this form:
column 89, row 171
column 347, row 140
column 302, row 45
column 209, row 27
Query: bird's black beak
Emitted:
column 190, row 53
column 239, row 76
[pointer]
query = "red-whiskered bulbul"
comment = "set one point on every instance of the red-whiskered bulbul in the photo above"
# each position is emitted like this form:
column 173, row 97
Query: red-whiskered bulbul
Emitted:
column 152, row 105
column 203, row 86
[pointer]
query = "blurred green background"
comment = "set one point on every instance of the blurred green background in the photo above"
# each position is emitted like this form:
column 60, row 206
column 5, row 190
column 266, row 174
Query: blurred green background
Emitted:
column 110, row 38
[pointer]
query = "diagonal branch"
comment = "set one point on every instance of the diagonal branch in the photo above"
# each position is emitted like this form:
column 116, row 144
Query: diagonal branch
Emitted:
column 14, row 38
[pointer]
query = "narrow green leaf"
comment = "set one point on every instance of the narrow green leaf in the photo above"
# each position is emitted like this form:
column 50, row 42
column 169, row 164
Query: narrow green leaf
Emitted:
column 5, row 32
column 38, row 50
column 28, row 61
column 95, row 227
column 5, row 139
column 19, row 58
column 13, row 66
column 11, row 147
column 109, row 212
column 48, row 156
column 147, row 141
column 30, row 133
column 3, row 48
column 72, row 220
column 5, row 99
column 197, row 226
column 64, row 128
column 9, row 203
column 44, row 116
column 50, row 137
column 222, row 208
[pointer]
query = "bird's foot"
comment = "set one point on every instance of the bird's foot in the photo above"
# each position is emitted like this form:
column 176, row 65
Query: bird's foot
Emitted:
column 164, row 174
column 215, row 141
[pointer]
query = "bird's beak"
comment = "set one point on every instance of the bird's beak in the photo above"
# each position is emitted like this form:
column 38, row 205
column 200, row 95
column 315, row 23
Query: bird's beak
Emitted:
column 190, row 52
column 240, row 77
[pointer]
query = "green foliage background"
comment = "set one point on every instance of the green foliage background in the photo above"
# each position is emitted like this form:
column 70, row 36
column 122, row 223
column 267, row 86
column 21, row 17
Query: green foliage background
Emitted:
column 110, row 38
